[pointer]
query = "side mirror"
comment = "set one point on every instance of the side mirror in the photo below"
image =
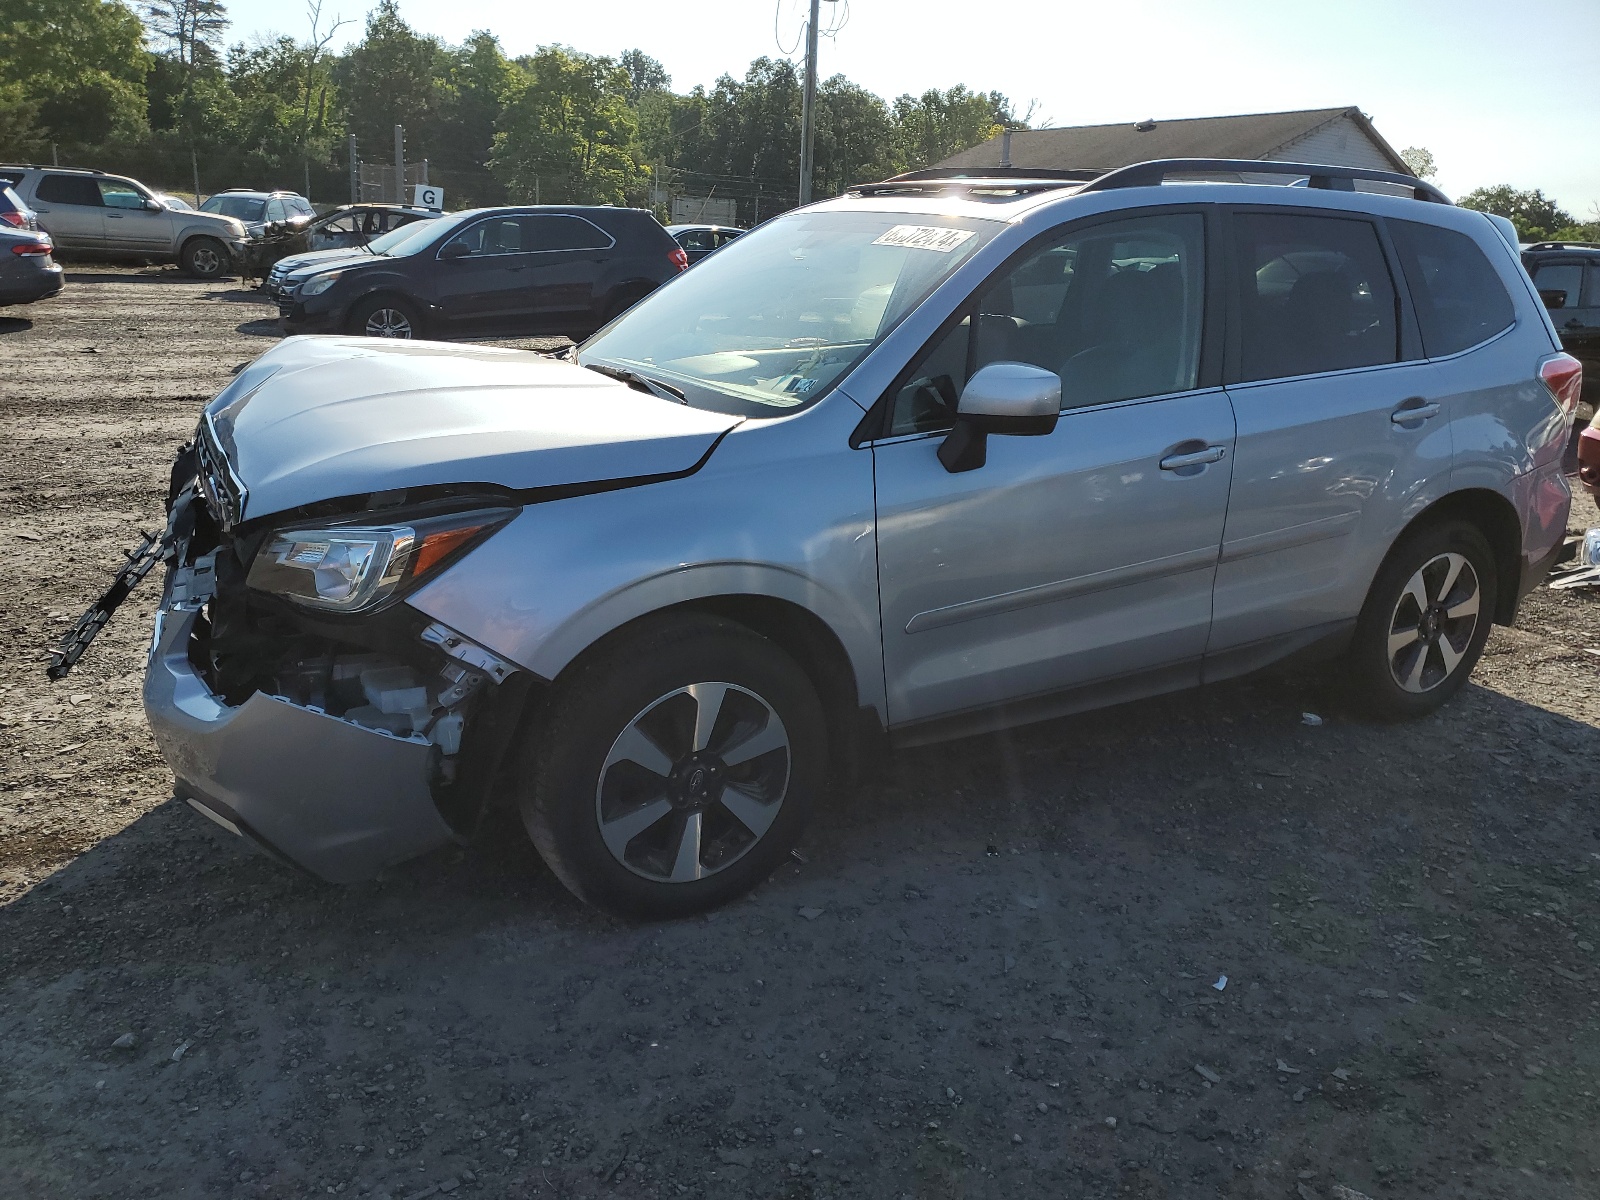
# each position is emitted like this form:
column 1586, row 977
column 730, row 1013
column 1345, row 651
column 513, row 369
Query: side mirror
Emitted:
column 1005, row 398
column 150, row 205
column 455, row 250
column 1553, row 297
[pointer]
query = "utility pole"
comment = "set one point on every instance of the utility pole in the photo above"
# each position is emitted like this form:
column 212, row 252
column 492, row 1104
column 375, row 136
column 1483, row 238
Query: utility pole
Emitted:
column 399, row 164
column 355, row 169
column 808, row 104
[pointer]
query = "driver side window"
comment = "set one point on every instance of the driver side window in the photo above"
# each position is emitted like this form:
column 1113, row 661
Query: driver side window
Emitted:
column 1115, row 310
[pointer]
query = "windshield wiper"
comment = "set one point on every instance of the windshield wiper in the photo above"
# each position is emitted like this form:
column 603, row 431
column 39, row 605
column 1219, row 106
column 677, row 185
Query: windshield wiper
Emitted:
column 642, row 383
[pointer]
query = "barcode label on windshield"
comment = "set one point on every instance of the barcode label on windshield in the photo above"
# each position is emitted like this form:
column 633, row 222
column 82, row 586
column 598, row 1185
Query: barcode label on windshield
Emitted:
column 924, row 237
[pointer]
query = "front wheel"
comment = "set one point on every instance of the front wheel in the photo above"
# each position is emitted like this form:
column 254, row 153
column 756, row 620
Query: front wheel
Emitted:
column 1424, row 624
column 385, row 317
column 205, row 258
column 676, row 769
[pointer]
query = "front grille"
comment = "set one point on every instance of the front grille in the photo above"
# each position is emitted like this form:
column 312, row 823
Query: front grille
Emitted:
column 224, row 494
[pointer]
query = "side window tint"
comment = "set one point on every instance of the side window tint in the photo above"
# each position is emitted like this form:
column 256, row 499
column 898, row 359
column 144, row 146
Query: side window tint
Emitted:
column 563, row 233
column 1566, row 278
column 1314, row 295
column 1115, row 310
column 491, row 237
column 69, row 189
column 276, row 211
column 119, row 195
column 1459, row 298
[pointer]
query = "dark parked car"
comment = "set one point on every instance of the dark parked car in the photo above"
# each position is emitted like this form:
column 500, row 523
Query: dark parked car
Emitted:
column 548, row 269
column 28, row 272
column 1567, row 275
column 258, row 210
column 13, row 212
column 347, row 227
column 700, row 240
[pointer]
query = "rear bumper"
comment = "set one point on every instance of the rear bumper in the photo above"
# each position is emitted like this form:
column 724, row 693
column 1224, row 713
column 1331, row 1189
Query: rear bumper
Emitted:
column 342, row 800
column 41, row 285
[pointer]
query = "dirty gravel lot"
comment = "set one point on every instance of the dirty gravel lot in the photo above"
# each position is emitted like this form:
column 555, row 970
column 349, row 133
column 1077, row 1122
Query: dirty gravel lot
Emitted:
column 991, row 976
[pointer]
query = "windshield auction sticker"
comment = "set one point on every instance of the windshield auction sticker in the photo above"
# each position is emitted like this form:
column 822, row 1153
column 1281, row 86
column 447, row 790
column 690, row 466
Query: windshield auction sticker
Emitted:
column 924, row 237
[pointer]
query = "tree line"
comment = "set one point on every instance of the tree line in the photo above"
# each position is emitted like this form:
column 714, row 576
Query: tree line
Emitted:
column 158, row 93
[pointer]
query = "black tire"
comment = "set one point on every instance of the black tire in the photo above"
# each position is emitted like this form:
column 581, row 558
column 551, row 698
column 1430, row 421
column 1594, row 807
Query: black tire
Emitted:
column 624, row 300
column 571, row 776
column 1404, row 679
column 391, row 313
column 205, row 258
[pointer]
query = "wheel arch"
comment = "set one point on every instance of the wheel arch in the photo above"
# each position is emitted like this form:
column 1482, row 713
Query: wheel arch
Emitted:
column 1494, row 517
column 854, row 727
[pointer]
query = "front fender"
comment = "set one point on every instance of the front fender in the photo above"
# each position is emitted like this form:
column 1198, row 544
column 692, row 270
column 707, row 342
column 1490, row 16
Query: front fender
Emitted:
column 782, row 509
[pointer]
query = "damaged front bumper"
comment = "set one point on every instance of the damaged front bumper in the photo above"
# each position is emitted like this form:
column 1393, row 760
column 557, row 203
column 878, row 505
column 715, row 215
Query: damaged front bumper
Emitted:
column 343, row 752
column 340, row 799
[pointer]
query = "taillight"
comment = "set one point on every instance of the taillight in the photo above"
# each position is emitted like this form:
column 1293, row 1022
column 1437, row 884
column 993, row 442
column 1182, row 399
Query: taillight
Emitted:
column 1563, row 375
column 680, row 258
column 29, row 248
column 14, row 218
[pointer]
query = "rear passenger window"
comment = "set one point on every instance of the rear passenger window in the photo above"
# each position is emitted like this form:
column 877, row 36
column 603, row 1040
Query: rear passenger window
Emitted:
column 1566, row 278
column 564, row 233
column 1459, row 298
column 69, row 189
column 1314, row 296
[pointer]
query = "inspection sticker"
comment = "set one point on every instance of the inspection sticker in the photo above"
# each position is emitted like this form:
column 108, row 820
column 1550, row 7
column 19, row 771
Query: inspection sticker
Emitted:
column 924, row 237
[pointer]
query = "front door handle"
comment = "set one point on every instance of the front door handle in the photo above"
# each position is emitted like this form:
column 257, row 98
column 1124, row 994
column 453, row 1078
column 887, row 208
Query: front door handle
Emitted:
column 1414, row 411
column 1195, row 458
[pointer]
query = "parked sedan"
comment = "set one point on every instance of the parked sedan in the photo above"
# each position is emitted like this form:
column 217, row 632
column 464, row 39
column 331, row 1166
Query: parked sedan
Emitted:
column 28, row 271
column 537, row 270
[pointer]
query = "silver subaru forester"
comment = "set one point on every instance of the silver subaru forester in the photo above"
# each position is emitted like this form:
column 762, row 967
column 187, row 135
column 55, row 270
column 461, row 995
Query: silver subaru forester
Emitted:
column 938, row 456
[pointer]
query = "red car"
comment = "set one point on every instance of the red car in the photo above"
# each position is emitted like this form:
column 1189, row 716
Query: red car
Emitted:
column 1589, row 460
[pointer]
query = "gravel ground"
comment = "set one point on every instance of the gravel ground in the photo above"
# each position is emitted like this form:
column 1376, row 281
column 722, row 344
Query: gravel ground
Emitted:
column 996, row 973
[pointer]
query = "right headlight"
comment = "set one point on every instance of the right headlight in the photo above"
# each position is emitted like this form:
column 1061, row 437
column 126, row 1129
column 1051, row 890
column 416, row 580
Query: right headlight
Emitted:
column 318, row 284
column 357, row 568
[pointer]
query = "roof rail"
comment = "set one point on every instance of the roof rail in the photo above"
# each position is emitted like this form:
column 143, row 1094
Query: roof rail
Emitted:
column 958, row 174
column 48, row 167
column 1564, row 246
column 1004, row 182
column 1340, row 179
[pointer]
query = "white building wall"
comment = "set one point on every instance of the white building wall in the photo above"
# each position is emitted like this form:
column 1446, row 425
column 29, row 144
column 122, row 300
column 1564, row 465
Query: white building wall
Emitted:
column 1340, row 143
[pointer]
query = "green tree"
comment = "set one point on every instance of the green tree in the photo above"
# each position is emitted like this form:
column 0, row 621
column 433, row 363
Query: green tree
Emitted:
column 854, row 138
column 566, row 133
column 393, row 76
column 931, row 127
column 478, row 76
column 1420, row 161
column 645, row 74
column 20, row 136
column 82, row 61
column 1535, row 215
column 191, row 29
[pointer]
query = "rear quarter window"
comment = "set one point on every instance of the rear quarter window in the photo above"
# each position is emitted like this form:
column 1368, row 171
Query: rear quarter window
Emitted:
column 69, row 189
column 1457, row 293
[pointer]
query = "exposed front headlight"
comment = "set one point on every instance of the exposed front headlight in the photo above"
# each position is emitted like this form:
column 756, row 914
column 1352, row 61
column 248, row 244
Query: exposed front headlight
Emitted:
column 318, row 284
column 354, row 568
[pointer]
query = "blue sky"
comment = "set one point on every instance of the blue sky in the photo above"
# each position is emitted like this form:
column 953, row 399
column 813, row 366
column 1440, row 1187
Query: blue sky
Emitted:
column 1499, row 93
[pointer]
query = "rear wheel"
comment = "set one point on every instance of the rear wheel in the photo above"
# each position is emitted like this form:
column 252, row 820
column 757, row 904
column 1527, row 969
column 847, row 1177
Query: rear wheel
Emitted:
column 205, row 258
column 385, row 317
column 1424, row 624
column 675, row 770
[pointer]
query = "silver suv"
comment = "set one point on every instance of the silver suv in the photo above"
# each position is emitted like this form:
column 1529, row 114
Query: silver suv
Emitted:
column 935, row 457
column 111, row 216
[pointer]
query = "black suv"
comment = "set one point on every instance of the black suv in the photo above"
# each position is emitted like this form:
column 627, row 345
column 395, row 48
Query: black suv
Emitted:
column 1567, row 275
column 536, row 270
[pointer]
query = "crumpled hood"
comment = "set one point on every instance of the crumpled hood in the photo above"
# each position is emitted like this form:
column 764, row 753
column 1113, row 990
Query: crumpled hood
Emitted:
column 316, row 418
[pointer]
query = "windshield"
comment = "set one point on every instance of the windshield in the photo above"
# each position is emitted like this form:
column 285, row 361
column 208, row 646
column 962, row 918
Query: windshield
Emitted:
column 408, row 239
column 769, row 323
column 243, row 208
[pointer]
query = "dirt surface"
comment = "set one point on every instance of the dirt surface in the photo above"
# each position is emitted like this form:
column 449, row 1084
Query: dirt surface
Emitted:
column 997, row 973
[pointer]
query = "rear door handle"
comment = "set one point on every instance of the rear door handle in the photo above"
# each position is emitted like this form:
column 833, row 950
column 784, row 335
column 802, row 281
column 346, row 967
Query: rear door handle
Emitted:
column 1414, row 412
column 1196, row 458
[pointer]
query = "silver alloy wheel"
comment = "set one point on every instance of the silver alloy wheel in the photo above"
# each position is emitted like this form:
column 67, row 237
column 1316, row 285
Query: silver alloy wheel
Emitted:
column 388, row 323
column 693, row 782
column 205, row 261
column 1433, row 623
